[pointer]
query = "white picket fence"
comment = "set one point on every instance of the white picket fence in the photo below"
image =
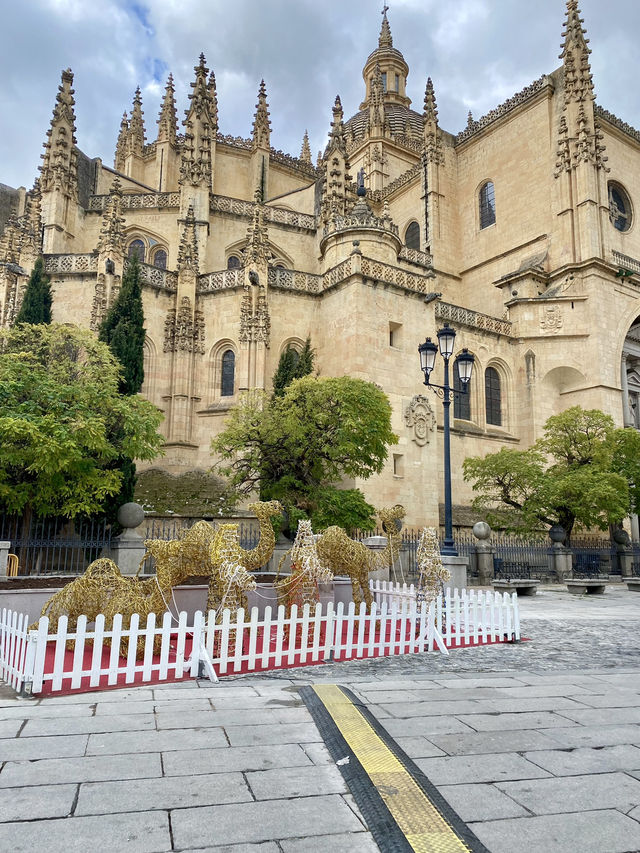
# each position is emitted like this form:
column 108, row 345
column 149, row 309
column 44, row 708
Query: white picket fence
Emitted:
column 37, row 660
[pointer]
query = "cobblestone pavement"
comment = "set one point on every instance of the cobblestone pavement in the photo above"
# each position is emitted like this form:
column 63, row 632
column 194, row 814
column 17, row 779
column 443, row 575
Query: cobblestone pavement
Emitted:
column 535, row 745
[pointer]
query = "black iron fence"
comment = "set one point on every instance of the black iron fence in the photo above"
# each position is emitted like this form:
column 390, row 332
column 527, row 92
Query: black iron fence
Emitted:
column 55, row 546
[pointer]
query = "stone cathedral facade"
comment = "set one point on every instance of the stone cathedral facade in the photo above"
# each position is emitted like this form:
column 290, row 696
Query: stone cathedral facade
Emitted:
column 519, row 231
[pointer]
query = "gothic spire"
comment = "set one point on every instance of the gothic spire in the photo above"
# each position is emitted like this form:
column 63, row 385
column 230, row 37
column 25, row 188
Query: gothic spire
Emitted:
column 337, row 126
column 136, row 125
column 199, row 127
column 257, row 251
column 261, row 123
column 214, row 100
column 188, row 251
column 59, row 166
column 578, row 83
column 305, row 152
column 385, row 39
column 121, row 145
column 430, row 113
column 167, row 121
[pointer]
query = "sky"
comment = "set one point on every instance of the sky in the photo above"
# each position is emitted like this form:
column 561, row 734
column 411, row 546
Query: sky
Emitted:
column 478, row 53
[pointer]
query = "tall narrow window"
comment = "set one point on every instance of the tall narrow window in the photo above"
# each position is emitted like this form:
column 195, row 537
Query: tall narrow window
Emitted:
column 384, row 81
column 461, row 402
column 487, row 200
column 397, row 82
column 412, row 236
column 136, row 247
column 228, row 373
column 160, row 259
column 493, row 396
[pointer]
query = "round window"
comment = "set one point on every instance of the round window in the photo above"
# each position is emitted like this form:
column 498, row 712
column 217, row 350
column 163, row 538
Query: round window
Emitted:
column 619, row 207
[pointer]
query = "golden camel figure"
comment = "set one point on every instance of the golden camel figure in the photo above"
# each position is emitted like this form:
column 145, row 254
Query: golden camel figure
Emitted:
column 345, row 556
column 103, row 589
column 307, row 571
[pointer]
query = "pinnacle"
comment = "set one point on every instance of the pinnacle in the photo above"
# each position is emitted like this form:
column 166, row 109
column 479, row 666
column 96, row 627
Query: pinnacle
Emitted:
column 430, row 106
column 385, row 39
column 305, row 153
column 67, row 76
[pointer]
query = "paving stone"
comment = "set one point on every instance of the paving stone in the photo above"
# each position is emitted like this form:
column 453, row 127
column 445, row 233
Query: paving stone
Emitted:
column 262, row 716
column 262, row 821
column 532, row 704
column 266, row 847
column 603, row 831
column 457, row 769
column 587, row 760
column 539, row 690
column 502, row 722
column 10, row 728
column 85, row 769
column 287, row 782
column 473, row 681
column 222, row 702
column 272, row 734
column 575, row 793
column 33, row 711
column 425, row 726
column 407, row 710
column 243, row 758
column 434, row 694
column 478, row 743
column 42, row 801
column 45, row 726
column 480, row 802
column 635, row 814
column 146, row 832
column 594, row 735
column 318, row 753
column 419, row 747
column 120, row 708
column 170, row 792
column 353, row 842
column 133, row 742
column 603, row 716
column 612, row 699
column 121, row 694
column 34, row 748
column 174, row 706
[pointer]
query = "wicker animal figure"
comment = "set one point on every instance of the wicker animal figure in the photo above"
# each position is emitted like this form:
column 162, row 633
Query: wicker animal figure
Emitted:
column 344, row 556
column 432, row 573
column 103, row 589
column 301, row 586
column 225, row 590
column 225, row 546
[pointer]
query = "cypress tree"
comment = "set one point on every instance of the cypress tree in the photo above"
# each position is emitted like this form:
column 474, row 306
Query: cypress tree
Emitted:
column 293, row 365
column 36, row 303
column 123, row 329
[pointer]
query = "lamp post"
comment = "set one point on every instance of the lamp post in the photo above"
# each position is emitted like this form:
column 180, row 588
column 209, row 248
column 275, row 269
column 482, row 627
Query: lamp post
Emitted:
column 428, row 352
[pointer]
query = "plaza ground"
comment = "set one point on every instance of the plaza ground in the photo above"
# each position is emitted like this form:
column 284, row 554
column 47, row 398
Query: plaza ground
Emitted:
column 535, row 745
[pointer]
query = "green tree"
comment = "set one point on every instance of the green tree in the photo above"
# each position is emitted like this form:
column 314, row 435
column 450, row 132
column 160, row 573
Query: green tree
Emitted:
column 36, row 302
column 298, row 447
column 123, row 330
column 63, row 422
column 582, row 471
column 293, row 365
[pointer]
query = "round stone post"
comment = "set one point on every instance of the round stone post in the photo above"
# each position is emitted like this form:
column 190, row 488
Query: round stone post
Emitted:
column 624, row 552
column 561, row 563
column 484, row 552
column 128, row 549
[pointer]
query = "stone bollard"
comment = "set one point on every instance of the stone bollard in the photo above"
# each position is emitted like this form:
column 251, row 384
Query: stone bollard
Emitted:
column 128, row 549
column 4, row 554
column 624, row 552
column 561, row 556
column 484, row 552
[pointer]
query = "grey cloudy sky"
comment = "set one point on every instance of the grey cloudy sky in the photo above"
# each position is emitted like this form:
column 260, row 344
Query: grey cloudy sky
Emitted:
column 478, row 52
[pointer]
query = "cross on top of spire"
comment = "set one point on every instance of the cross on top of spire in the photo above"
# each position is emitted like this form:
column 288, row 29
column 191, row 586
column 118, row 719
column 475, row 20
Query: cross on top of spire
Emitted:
column 385, row 39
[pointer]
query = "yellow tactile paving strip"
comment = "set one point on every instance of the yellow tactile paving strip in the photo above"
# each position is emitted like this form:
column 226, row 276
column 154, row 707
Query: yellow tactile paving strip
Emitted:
column 419, row 820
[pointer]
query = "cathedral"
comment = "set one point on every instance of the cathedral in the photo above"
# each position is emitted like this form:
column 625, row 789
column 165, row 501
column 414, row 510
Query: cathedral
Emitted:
column 518, row 231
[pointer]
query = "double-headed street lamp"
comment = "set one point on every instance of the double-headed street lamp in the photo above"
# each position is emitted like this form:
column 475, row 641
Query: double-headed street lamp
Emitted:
column 428, row 352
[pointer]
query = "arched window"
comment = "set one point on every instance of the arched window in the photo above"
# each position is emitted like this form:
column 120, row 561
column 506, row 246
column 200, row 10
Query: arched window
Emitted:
column 492, row 396
column 233, row 262
column 619, row 207
column 461, row 402
column 160, row 259
column 412, row 236
column 136, row 247
column 228, row 373
column 487, row 201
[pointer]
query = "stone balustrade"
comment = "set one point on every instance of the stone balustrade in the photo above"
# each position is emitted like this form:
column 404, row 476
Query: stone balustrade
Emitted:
column 473, row 319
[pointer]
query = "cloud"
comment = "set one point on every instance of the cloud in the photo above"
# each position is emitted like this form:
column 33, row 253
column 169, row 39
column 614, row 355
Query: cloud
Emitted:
column 478, row 52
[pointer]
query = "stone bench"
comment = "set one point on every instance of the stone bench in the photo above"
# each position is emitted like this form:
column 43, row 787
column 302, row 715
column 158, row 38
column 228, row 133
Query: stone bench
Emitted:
column 523, row 586
column 633, row 584
column 587, row 586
